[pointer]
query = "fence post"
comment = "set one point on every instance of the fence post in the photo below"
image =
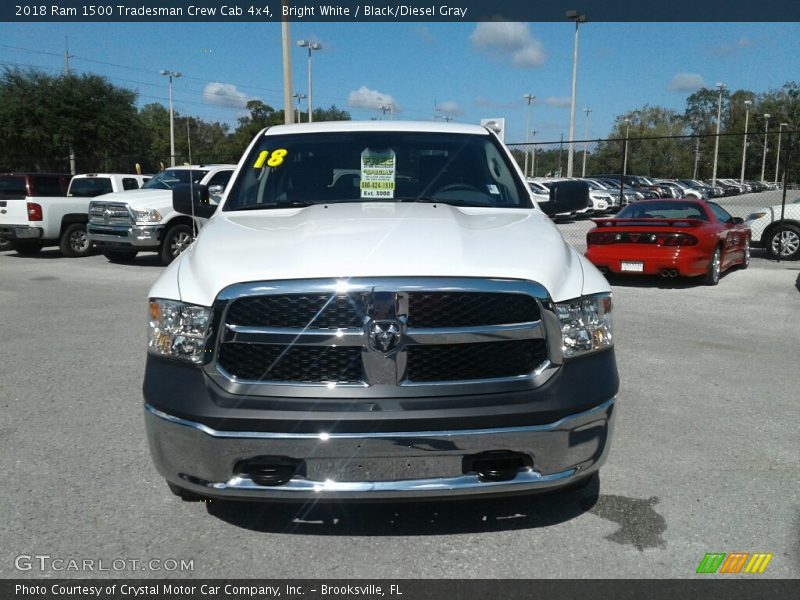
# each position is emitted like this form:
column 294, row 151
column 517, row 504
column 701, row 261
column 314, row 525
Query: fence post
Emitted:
column 622, row 176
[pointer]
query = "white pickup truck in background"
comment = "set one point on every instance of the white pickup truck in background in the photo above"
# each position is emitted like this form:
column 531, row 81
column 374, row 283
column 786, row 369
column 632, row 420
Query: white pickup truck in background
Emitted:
column 122, row 225
column 30, row 223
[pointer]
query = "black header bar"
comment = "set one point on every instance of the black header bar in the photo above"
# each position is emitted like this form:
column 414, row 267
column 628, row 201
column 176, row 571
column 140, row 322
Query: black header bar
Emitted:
column 349, row 11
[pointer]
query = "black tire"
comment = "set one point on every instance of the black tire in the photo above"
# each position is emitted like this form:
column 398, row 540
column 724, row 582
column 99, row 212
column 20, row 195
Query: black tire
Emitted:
column 26, row 247
column 176, row 240
column 184, row 494
column 783, row 242
column 714, row 267
column 120, row 256
column 75, row 242
column 5, row 245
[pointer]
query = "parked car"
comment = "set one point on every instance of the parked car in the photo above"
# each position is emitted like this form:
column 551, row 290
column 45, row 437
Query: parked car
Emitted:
column 682, row 190
column 641, row 182
column 61, row 220
column 425, row 333
column 644, row 193
column 16, row 187
column 122, row 225
column 777, row 230
column 671, row 238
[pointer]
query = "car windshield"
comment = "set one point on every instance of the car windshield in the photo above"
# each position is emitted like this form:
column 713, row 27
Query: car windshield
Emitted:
column 166, row 180
column 663, row 210
column 89, row 187
column 377, row 166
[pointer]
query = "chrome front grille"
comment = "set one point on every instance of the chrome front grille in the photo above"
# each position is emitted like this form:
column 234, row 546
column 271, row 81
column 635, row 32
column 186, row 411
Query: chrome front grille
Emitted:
column 106, row 213
column 383, row 337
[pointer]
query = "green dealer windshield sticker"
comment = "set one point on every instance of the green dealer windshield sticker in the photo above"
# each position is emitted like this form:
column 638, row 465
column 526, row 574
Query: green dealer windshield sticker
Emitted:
column 378, row 168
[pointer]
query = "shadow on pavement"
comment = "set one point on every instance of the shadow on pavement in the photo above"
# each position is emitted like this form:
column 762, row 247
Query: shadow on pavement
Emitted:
column 409, row 518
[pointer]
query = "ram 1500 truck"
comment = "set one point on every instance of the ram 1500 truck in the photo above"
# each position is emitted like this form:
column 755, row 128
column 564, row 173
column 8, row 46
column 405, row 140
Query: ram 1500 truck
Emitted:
column 418, row 330
column 35, row 221
column 124, row 225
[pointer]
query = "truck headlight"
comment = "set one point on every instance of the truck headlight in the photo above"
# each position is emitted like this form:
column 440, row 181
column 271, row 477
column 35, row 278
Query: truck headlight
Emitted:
column 178, row 330
column 585, row 324
column 755, row 216
column 148, row 215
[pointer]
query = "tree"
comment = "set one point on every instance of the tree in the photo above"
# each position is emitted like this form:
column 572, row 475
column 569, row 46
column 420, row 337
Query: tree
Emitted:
column 42, row 117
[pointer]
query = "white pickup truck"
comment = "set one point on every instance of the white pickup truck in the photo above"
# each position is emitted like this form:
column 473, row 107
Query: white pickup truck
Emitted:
column 420, row 329
column 122, row 225
column 30, row 223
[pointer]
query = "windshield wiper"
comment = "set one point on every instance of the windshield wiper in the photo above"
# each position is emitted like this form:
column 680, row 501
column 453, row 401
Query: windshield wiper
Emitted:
column 417, row 199
column 295, row 204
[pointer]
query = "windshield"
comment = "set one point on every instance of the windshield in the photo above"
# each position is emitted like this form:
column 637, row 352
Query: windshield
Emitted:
column 89, row 187
column 370, row 166
column 166, row 180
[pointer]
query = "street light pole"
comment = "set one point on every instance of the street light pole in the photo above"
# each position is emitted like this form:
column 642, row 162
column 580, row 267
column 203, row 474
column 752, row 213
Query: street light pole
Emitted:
column 778, row 157
column 721, row 87
column 299, row 97
column 530, row 98
column 171, row 74
column 625, row 158
column 585, row 140
column 578, row 18
column 747, row 104
column 311, row 46
column 766, row 140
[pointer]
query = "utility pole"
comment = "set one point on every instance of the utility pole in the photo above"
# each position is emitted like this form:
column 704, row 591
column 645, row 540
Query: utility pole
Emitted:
column 585, row 141
column 747, row 104
column 696, row 156
column 578, row 18
column 766, row 140
column 288, row 113
column 530, row 98
column 625, row 158
column 721, row 87
column 67, row 56
column 533, row 154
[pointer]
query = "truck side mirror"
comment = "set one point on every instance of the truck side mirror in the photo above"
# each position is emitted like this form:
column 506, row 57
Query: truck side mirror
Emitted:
column 566, row 196
column 192, row 200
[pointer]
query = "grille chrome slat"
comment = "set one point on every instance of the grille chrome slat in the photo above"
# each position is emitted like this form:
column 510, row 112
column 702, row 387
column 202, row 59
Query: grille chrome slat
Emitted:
column 288, row 336
column 435, row 336
column 475, row 335
column 110, row 214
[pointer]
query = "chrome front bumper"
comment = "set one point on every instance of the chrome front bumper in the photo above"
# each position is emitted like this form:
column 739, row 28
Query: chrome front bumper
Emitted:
column 138, row 236
column 419, row 464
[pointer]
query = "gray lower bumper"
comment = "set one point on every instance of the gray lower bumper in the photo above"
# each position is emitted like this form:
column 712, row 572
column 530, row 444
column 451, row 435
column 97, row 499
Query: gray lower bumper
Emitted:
column 20, row 232
column 379, row 465
column 141, row 236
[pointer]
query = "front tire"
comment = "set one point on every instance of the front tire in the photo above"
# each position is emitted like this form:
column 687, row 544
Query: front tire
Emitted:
column 75, row 242
column 120, row 256
column 4, row 245
column 714, row 266
column 27, row 247
column 783, row 242
column 176, row 240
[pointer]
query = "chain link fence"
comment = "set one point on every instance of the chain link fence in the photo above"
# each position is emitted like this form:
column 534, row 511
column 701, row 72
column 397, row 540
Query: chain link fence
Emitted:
column 740, row 173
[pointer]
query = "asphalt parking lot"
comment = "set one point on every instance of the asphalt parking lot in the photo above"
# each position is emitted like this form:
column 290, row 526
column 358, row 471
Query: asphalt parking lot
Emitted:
column 704, row 458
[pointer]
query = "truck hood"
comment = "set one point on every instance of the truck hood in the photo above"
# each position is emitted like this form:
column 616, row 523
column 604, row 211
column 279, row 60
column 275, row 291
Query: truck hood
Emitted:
column 139, row 199
column 374, row 240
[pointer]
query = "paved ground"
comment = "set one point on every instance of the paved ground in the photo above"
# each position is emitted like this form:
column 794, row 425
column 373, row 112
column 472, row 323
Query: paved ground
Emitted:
column 705, row 455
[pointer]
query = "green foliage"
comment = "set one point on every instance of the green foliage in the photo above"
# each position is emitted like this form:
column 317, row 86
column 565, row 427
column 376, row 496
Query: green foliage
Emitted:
column 42, row 117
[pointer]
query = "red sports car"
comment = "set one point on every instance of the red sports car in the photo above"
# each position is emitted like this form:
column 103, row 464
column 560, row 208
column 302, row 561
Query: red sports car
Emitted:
column 670, row 237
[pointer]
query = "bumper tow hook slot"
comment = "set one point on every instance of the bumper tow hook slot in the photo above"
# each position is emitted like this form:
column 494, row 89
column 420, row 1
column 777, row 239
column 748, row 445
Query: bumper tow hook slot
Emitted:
column 268, row 472
column 500, row 466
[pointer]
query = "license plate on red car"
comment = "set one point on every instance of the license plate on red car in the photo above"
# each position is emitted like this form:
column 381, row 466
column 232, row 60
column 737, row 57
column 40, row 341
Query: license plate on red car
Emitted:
column 634, row 267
